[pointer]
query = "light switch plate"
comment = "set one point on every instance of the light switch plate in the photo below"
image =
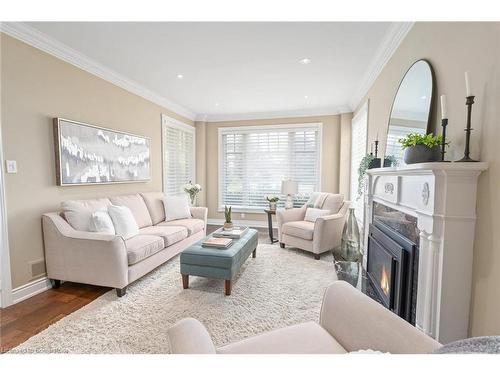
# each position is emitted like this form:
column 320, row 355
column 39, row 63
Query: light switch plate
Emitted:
column 11, row 166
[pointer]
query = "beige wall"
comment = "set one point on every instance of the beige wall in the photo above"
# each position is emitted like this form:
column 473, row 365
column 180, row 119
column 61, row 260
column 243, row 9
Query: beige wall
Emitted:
column 453, row 48
column 329, row 162
column 37, row 87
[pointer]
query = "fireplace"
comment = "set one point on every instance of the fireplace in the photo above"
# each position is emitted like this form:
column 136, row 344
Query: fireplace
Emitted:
column 392, row 264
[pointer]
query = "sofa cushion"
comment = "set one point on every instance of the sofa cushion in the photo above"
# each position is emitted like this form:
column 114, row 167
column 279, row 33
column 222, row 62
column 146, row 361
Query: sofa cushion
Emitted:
column 192, row 225
column 154, row 203
column 78, row 212
column 170, row 234
column 333, row 202
column 304, row 338
column 301, row 229
column 136, row 205
column 142, row 246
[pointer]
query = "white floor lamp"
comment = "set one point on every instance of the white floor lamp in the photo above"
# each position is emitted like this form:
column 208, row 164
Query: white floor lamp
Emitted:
column 289, row 188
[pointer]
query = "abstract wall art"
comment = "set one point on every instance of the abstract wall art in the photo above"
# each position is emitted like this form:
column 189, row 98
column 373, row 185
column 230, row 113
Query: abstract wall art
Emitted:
column 88, row 155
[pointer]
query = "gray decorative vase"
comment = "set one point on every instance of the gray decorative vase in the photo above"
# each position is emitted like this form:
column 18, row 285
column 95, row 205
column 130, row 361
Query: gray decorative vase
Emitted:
column 422, row 154
column 350, row 248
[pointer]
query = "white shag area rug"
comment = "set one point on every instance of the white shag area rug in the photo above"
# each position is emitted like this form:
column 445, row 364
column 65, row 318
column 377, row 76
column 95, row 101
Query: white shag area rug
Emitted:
column 278, row 288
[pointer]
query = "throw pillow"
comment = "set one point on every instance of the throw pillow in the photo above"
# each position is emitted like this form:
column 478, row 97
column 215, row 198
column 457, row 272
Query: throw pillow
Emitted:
column 312, row 214
column 101, row 222
column 123, row 221
column 78, row 213
column 176, row 207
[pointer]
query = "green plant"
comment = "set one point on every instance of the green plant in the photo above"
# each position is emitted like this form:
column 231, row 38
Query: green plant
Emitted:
column 391, row 159
column 414, row 139
column 272, row 198
column 363, row 167
column 227, row 214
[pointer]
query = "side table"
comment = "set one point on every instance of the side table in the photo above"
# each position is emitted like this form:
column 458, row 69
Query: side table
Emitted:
column 270, row 214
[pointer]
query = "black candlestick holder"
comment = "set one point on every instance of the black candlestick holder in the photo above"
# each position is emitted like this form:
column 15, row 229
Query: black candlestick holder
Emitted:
column 444, row 124
column 469, row 102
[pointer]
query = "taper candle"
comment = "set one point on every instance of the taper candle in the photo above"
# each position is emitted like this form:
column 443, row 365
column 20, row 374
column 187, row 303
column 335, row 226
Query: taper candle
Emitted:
column 467, row 85
column 444, row 113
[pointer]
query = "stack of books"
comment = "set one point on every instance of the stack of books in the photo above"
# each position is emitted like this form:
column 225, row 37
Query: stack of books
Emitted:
column 218, row 243
column 235, row 233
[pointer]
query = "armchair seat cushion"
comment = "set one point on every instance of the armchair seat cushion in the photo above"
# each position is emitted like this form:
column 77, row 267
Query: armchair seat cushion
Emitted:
column 170, row 234
column 142, row 246
column 300, row 229
column 304, row 338
column 192, row 225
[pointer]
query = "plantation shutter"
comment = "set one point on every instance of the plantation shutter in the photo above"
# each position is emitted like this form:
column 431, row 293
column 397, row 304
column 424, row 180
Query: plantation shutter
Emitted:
column 358, row 151
column 393, row 146
column 254, row 162
column 178, row 156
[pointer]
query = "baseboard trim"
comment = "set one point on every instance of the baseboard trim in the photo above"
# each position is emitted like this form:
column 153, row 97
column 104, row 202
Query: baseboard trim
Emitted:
column 31, row 289
column 248, row 223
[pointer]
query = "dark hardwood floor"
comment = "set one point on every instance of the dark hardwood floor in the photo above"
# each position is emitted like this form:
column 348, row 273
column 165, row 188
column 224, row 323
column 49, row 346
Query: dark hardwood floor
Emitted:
column 27, row 318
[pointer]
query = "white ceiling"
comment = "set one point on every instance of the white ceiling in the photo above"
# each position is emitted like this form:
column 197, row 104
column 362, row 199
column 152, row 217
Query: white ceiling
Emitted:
column 237, row 70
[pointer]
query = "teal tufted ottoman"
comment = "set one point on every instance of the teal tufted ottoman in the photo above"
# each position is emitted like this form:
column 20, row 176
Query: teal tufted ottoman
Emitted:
column 223, row 264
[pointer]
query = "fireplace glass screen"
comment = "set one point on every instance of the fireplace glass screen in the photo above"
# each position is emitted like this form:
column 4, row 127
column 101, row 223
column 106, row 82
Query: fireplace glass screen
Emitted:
column 381, row 269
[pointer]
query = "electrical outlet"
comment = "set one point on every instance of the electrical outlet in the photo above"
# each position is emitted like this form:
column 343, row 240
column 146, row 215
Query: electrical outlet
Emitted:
column 242, row 215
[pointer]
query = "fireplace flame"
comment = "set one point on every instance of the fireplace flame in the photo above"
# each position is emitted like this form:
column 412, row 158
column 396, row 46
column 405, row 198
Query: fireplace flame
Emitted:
column 384, row 282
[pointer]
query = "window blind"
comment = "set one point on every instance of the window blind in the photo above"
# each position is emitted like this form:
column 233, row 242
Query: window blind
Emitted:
column 178, row 142
column 254, row 162
column 358, row 151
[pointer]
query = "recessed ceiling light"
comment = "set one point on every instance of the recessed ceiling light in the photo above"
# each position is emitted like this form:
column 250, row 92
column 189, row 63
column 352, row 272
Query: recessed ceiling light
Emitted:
column 216, row 104
column 306, row 96
column 180, row 76
column 423, row 97
column 305, row 61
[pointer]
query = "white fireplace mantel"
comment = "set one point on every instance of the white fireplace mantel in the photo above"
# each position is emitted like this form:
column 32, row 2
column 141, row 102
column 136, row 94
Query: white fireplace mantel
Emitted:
column 443, row 198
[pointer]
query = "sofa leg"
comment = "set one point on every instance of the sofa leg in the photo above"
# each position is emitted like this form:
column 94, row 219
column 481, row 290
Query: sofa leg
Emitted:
column 282, row 245
column 55, row 283
column 121, row 292
column 254, row 253
column 317, row 256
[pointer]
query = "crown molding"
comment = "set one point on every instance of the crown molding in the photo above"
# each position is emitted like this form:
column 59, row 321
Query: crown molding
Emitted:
column 313, row 112
column 43, row 42
column 392, row 39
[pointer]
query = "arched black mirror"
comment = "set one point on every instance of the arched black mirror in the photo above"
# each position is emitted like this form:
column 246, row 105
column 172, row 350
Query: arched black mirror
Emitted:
column 411, row 108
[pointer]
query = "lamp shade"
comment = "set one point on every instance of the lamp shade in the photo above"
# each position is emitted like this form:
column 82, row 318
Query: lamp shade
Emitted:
column 289, row 187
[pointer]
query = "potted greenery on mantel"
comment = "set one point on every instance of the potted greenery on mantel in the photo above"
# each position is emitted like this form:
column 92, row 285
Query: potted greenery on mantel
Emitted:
column 421, row 148
column 366, row 163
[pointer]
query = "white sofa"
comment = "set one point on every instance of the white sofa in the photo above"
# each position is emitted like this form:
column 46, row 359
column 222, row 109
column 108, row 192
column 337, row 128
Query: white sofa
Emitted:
column 349, row 321
column 325, row 234
column 109, row 260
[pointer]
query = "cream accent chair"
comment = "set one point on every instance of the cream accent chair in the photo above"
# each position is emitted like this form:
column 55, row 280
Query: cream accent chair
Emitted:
column 349, row 321
column 323, row 235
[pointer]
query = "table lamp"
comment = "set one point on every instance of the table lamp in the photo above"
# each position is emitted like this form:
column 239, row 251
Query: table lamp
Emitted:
column 289, row 188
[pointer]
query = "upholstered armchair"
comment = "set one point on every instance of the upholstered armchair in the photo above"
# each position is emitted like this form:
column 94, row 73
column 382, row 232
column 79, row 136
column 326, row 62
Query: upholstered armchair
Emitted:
column 324, row 234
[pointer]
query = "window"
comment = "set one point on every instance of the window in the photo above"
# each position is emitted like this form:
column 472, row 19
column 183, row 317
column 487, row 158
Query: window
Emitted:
column 178, row 147
column 358, row 151
column 254, row 160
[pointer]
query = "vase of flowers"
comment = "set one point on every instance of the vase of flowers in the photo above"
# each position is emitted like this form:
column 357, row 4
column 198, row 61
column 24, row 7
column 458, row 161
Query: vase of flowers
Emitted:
column 273, row 201
column 228, row 224
column 192, row 190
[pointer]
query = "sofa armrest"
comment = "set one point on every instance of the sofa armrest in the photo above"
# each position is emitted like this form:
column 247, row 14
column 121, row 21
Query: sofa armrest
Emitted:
column 85, row 257
column 358, row 323
column 189, row 336
column 200, row 213
column 293, row 214
column 328, row 230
